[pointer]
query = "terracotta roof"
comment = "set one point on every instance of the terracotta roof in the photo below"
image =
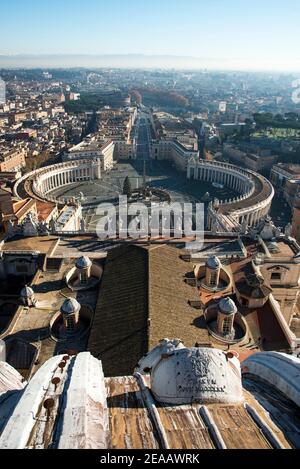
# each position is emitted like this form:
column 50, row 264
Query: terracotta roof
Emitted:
column 44, row 209
column 253, row 287
column 146, row 296
column 143, row 298
column 22, row 207
column 42, row 244
column 169, row 310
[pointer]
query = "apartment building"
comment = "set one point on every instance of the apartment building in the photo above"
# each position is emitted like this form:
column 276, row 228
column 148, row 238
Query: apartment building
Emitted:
column 93, row 150
column 256, row 160
column 12, row 160
column 282, row 173
column 173, row 151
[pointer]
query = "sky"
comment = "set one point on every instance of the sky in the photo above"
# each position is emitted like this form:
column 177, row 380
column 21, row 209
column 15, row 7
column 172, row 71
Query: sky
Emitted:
column 229, row 34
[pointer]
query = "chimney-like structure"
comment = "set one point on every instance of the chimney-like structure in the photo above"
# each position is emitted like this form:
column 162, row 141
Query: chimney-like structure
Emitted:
column 70, row 311
column 226, row 315
column 212, row 272
column 27, row 297
column 84, row 265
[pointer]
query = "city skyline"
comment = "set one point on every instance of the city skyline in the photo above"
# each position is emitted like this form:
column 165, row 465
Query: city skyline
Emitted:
column 221, row 35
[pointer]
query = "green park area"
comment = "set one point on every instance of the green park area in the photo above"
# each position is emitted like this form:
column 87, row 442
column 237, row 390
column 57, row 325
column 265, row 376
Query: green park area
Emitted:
column 277, row 133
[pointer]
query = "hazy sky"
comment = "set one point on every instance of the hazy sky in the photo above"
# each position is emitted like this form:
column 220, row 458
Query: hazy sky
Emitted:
column 258, row 34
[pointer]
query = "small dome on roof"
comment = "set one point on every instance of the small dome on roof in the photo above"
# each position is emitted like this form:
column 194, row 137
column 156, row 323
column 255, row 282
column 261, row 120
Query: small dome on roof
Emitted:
column 83, row 262
column 227, row 306
column 213, row 262
column 27, row 292
column 70, row 306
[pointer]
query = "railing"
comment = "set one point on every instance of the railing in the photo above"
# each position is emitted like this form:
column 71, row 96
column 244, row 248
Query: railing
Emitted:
column 230, row 220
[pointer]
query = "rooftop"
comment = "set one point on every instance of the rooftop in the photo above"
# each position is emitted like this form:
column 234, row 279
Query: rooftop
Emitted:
column 124, row 413
column 157, row 297
column 42, row 244
column 147, row 292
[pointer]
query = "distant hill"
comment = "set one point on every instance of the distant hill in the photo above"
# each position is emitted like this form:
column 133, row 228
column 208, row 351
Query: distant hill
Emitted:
column 143, row 61
column 107, row 61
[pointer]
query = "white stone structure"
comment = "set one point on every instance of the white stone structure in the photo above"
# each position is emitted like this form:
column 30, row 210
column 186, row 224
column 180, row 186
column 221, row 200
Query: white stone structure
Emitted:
column 70, row 311
column 173, row 151
column 212, row 272
column 69, row 404
column 149, row 361
column 280, row 370
column 27, row 296
column 226, row 315
column 84, row 265
column 93, row 151
column 70, row 219
column 2, row 351
column 45, row 180
column 202, row 375
column 251, row 206
column 85, row 418
column 10, row 383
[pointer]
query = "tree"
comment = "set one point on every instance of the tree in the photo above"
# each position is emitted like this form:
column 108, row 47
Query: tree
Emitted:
column 136, row 96
column 127, row 187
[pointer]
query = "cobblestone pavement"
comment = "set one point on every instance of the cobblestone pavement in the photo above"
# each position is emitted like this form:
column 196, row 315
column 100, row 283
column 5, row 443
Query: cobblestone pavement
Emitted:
column 159, row 174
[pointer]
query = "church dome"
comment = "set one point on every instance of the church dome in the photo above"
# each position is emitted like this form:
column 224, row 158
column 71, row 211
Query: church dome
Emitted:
column 27, row 292
column 83, row 262
column 227, row 306
column 70, row 306
column 199, row 375
column 213, row 263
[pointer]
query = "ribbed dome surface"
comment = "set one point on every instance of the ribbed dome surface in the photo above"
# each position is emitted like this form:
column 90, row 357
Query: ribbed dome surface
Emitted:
column 227, row 306
column 70, row 306
column 83, row 262
column 27, row 292
column 213, row 263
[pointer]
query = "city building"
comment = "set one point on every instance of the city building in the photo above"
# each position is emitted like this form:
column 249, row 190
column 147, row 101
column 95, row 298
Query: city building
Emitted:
column 240, row 213
column 103, row 152
column 296, row 218
column 231, row 128
column 282, row 173
column 173, row 151
column 12, row 160
column 260, row 160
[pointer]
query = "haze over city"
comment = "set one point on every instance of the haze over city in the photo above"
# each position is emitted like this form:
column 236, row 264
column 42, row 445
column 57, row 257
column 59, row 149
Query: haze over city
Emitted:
column 127, row 33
